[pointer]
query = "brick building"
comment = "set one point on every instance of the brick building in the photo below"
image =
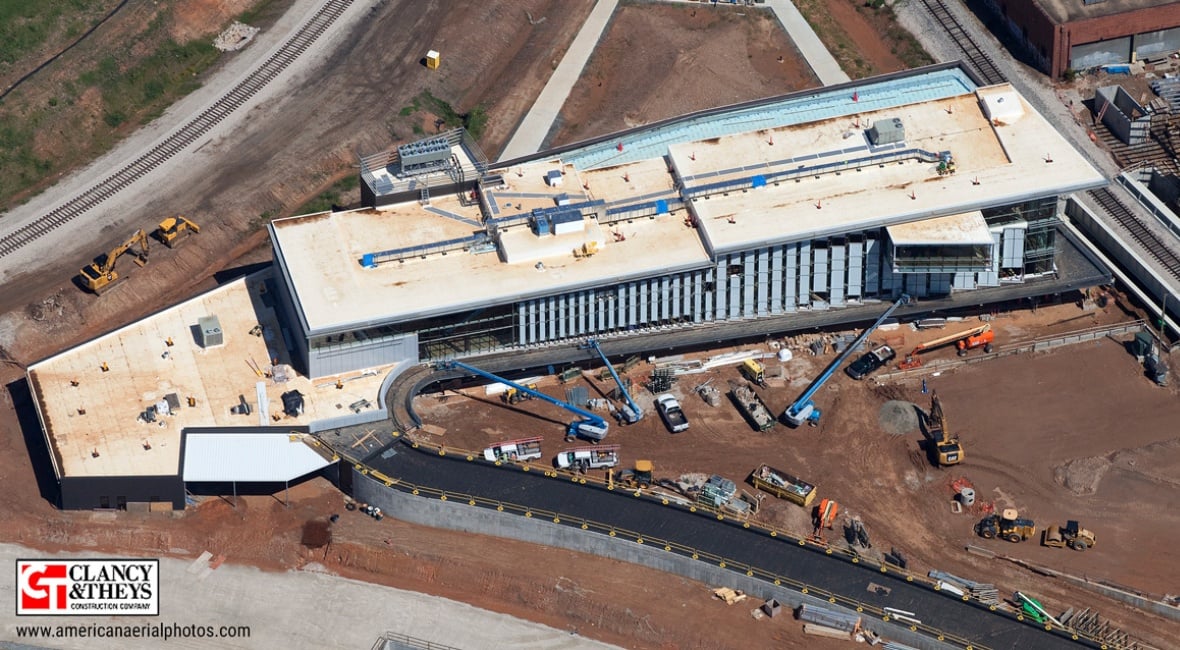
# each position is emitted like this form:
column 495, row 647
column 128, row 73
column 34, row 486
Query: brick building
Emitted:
column 1077, row 34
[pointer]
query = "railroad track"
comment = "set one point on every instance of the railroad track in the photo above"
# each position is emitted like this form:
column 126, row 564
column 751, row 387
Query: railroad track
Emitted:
column 1147, row 239
column 975, row 56
column 182, row 137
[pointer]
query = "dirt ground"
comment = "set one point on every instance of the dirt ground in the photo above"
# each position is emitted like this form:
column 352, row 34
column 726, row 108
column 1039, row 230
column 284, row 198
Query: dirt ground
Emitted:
column 351, row 105
column 657, row 61
column 1038, row 440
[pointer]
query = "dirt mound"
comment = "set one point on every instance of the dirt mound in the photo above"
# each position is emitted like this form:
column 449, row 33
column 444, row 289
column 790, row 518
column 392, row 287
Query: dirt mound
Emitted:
column 1082, row 475
column 898, row 417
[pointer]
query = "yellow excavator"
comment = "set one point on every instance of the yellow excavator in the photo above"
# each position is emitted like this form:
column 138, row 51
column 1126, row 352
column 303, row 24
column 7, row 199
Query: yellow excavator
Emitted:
column 174, row 231
column 944, row 448
column 101, row 274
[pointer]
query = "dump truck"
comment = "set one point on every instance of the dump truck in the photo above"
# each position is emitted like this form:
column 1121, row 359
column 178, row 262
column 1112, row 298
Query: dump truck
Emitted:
column 751, row 405
column 584, row 458
column 783, row 485
column 671, row 412
column 514, row 450
column 1071, row 535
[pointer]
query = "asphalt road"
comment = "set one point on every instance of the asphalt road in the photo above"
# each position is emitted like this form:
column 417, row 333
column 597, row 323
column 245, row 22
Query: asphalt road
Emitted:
column 725, row 539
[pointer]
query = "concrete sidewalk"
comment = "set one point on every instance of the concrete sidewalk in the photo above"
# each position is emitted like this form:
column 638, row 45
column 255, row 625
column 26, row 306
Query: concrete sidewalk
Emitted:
column 813, row 50
column 294, row 610
column 530, row 135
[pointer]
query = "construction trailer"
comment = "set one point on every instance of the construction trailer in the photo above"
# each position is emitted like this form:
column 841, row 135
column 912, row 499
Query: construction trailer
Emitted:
column 514, row 450
column 751, row 406
column 783, row 485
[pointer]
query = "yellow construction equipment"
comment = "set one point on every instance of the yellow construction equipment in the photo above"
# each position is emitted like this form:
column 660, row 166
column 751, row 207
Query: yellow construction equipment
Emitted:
column 944, row 448
column 1070, row 535
column 101, row 273
column 965, row 340
column 174, row 231
column 754, row 371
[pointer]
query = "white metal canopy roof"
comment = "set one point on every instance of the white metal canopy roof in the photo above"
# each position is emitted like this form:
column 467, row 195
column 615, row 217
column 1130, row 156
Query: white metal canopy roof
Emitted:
column 248, row 457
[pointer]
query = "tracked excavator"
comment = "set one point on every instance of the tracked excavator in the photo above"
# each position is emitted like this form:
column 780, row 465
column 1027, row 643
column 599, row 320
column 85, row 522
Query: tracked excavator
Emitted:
column 101, row 274
column 945, row 449
column 975, row 337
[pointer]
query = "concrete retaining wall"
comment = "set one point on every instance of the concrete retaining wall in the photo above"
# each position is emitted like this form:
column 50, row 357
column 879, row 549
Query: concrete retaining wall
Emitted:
column 462, row 517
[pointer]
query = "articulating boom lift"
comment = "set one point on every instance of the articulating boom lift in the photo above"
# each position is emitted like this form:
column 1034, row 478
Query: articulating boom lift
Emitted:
column 631, row 412
column 590, row 427
column 805, row 410
column 965, row 340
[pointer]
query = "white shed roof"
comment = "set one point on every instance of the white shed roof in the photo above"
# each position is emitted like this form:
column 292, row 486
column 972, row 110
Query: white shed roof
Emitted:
column 248, row 457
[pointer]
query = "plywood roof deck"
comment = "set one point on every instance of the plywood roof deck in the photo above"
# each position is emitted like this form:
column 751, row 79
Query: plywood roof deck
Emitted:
column 143, row 368
column 967, row 228
column 997, row 163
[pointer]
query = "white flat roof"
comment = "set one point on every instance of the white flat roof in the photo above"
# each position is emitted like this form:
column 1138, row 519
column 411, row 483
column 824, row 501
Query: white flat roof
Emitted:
column 249, row 457
column 335, row 291
column 996, row 164
column 94, row 428
column 1004, row 161
column 967, row 228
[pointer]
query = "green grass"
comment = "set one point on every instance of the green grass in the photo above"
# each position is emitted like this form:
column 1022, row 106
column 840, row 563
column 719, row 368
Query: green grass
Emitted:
column 26, row 24
column 331, row 196
column 475, row 120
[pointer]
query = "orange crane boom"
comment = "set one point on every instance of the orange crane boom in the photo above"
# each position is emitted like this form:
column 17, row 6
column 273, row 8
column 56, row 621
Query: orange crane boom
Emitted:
column 966, row 340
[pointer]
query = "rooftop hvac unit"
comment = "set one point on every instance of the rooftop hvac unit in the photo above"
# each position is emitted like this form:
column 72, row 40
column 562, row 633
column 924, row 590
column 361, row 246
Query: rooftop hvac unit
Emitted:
column 568, row 221
column 887, row 131
column 554, row 178
column 293, row 403
column 210, row 329
column 424, row 153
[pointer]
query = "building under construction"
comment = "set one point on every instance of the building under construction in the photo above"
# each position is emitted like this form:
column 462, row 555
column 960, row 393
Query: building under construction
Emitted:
column 811, row 208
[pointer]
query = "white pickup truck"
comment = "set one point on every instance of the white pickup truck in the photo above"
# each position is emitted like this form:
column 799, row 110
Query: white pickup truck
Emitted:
column 585, row 458
column 670, row 410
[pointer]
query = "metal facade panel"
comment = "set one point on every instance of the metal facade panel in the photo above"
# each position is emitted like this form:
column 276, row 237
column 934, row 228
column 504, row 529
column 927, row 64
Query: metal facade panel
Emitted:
column 248, row 457
column 940, row 283
column 836, row 263
column 550, row 321
column 804, row 295
column 735, row 296
column 1092, row 55
column 697, row 296
column 749, row 285
column 1013, row 248
column 1149, row 44
column 855, row 268
column 776, row 279
column 819, row 269
column 791, row 284
column 721, row 284
column 532, row 321
column 872, row 267
column 964, row 281
column 582, row 312
column 761, row 279
column 665, row 298
column 521, row 323
column 327, row 361
column 677, row 298
column 562, row 301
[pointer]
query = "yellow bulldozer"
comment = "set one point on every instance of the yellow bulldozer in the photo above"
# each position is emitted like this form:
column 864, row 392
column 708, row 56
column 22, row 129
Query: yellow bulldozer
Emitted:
column 101, row 274
column 174, row 231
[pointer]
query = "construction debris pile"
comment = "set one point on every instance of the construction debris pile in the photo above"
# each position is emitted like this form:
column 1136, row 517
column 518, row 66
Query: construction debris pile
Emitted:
column 235, row 37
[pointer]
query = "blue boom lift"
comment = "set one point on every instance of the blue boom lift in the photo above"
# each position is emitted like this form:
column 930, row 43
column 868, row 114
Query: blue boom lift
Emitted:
column 631, row 412
column 805, row 410
column 591, row 427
